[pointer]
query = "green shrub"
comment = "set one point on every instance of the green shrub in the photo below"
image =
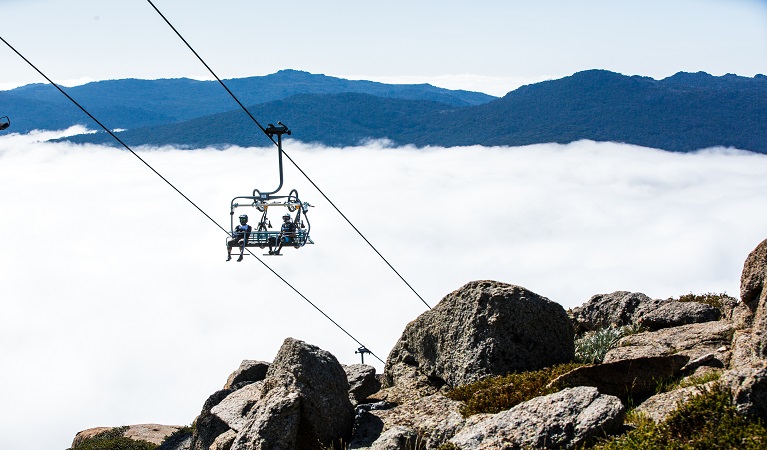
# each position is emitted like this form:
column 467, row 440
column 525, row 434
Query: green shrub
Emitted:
column 113, row 439
column 707, row 421
column 496, row 394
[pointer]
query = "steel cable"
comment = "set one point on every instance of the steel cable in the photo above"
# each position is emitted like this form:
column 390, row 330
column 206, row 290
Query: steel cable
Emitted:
column 286, row 154
column 180, row 193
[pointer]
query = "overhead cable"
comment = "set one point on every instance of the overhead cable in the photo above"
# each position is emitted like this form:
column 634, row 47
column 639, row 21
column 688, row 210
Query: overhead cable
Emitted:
column 285, row 153
column 179, row 192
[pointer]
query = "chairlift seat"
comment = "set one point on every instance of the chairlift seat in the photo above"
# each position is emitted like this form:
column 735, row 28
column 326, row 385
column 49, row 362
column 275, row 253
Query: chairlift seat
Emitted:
column 260, row 239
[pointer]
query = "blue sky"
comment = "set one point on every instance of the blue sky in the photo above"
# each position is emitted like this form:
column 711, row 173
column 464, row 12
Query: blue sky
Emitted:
column 491, row 46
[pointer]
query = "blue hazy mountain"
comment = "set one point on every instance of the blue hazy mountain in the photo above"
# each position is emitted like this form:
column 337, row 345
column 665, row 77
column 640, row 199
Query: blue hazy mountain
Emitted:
column 684, row 112
column 132, row 103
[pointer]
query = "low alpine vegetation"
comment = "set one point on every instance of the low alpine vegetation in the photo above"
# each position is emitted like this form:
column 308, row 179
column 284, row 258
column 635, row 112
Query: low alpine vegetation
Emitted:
column 705, row 421
column 712, row 299
column 113, row 439
column 499, row 393
column 592, row 346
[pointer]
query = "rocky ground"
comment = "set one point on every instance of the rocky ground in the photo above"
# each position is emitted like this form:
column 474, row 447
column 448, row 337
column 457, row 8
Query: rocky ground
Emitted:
column 305, row 399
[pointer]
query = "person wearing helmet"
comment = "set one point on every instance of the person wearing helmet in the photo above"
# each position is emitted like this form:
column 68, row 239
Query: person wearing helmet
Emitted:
column 240, row 237
column 287, row 235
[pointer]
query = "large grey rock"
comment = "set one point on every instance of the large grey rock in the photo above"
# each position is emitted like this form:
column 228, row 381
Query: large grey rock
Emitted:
column 249, row 371
column 326, row 414
column 694, row 340
column 484, row 328
column 674, row 314
column 567, row 419
column 303, row 403
column 362, row 382
column 625, row 379
column 615, row 309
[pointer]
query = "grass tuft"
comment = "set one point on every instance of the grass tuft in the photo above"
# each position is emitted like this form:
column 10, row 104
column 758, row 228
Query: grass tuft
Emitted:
column 706, row 421
column 709, row 298
column 113, row 439
column 496, row 394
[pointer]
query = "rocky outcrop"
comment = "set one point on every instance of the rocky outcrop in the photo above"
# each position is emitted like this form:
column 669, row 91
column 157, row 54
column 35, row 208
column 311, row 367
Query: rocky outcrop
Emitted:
column 567, row 419
column 302, row 403
column 327, row 415
column 674, row 314
column 484, row 328
column 753, row 275
column 86, row 434
column 249, row 372
column 304, row 399
column 694, row 340
column 612, row 310
column 362, row 382
column 754, row 295
column 152, row 433
column 631, row 378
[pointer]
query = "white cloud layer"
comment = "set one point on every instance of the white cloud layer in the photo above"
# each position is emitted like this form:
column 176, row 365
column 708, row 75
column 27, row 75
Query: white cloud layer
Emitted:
column 118, row 306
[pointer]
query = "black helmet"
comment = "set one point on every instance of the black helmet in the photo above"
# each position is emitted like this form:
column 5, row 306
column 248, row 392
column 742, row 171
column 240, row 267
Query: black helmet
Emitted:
column 286, row 217
column 244, row 219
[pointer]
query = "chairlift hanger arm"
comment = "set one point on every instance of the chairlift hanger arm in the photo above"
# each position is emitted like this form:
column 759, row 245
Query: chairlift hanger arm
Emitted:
column 271, row 130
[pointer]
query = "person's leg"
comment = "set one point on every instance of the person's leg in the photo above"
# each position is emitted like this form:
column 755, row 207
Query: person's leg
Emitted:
column 229, row 245
column 282, row 241
column 242, row 249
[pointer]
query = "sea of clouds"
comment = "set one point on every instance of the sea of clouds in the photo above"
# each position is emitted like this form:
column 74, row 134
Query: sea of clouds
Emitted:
column 119, row 307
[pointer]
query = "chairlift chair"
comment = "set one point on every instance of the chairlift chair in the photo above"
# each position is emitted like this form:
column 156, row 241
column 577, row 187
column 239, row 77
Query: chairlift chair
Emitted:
column 264, row 201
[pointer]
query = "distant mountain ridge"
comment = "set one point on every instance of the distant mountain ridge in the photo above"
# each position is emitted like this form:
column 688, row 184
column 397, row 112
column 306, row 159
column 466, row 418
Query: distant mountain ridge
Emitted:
column 684, row 112
column 132, row 103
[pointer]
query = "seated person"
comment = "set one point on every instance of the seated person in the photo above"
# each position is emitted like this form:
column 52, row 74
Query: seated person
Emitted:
column 287, row 235
column 240, row 235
